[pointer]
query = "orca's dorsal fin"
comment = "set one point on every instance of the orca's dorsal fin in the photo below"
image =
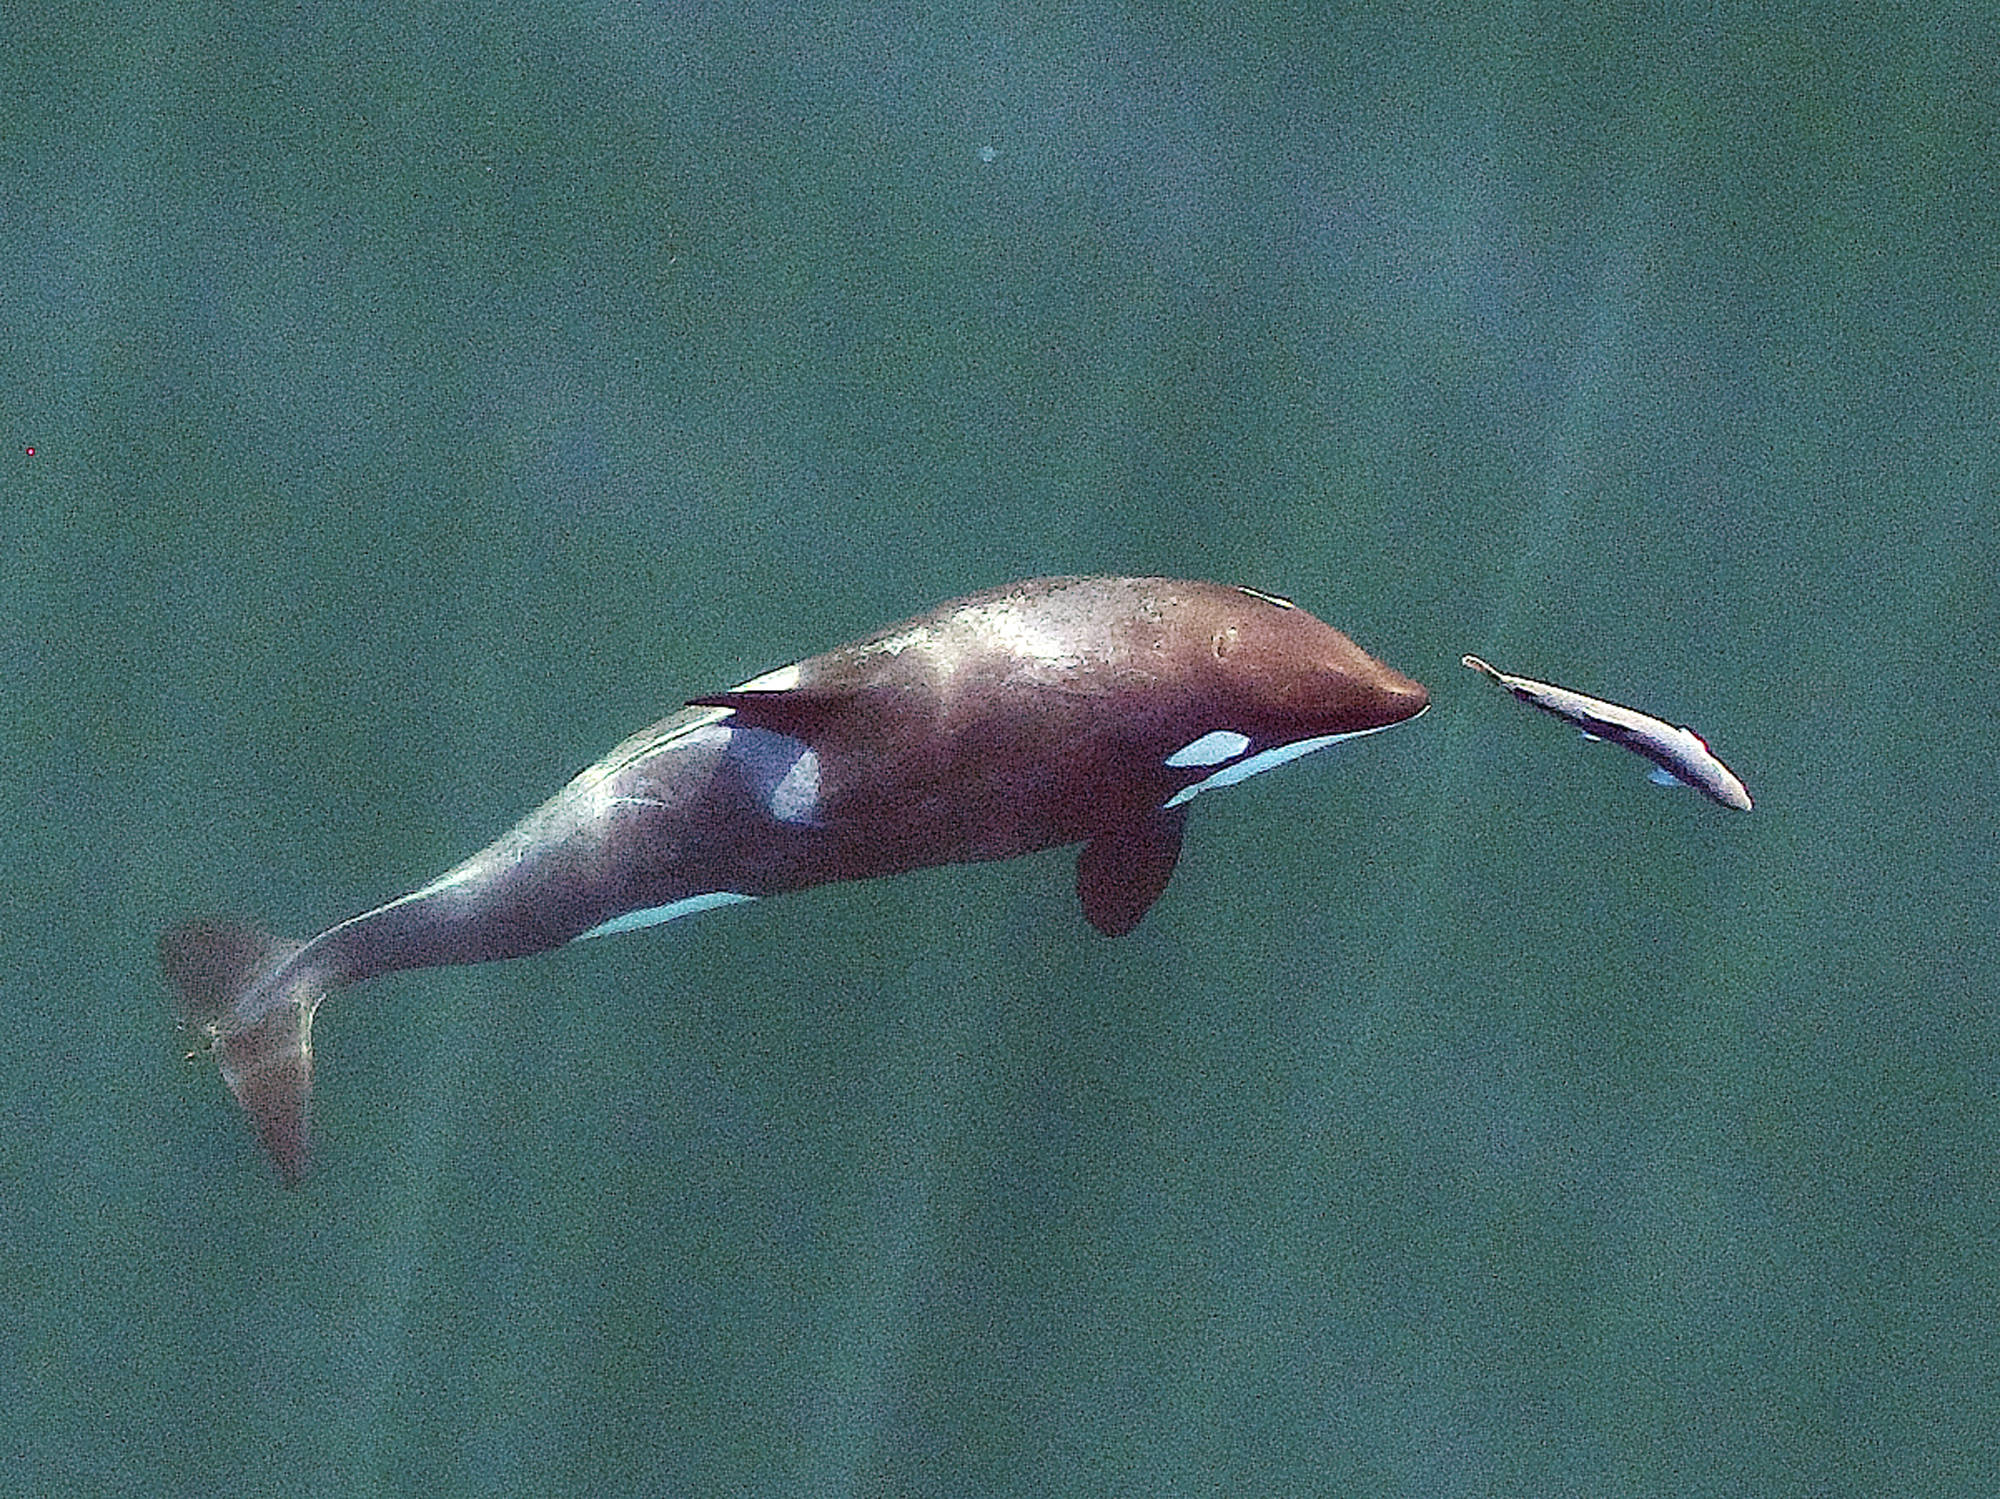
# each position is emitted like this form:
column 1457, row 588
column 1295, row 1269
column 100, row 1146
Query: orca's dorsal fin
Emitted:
column 1121, row 873
column 801, row 712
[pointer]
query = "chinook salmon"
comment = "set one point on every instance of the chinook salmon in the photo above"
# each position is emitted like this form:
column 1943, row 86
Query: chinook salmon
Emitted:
column 1680, row 756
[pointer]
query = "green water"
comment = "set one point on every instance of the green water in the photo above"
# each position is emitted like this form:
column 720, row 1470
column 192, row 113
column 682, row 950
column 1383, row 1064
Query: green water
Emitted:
column 421, row 398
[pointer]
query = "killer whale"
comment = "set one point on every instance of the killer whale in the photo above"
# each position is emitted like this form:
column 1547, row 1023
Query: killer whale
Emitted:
column 1047, row 712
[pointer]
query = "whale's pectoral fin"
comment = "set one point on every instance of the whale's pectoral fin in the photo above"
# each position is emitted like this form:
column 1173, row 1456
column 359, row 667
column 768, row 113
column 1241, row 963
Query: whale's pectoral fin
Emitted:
column 1121, row 873
column 215, row 968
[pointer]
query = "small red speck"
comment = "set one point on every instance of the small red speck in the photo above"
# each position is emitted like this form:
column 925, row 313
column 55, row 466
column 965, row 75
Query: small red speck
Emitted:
column 29, row 451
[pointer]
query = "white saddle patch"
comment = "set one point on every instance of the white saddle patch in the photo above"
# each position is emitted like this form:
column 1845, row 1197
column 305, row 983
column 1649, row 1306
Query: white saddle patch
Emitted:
column 784, row 679
column 781, row 772
column 795, row 799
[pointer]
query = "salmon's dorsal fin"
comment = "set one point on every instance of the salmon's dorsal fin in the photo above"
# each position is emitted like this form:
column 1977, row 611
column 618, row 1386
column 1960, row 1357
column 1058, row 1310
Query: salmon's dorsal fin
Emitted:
column 1121, row 873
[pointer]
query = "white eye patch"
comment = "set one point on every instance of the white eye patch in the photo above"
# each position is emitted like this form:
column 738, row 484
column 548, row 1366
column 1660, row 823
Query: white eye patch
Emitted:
column 1260, row 762
column 1269, row 598
column 1211, row 749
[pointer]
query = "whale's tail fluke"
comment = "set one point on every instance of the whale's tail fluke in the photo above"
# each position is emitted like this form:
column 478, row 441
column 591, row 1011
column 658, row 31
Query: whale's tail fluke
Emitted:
column 256, row 1018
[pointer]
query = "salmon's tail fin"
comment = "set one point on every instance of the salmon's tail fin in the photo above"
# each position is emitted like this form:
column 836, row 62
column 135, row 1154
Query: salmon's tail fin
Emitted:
column 256, row 1019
